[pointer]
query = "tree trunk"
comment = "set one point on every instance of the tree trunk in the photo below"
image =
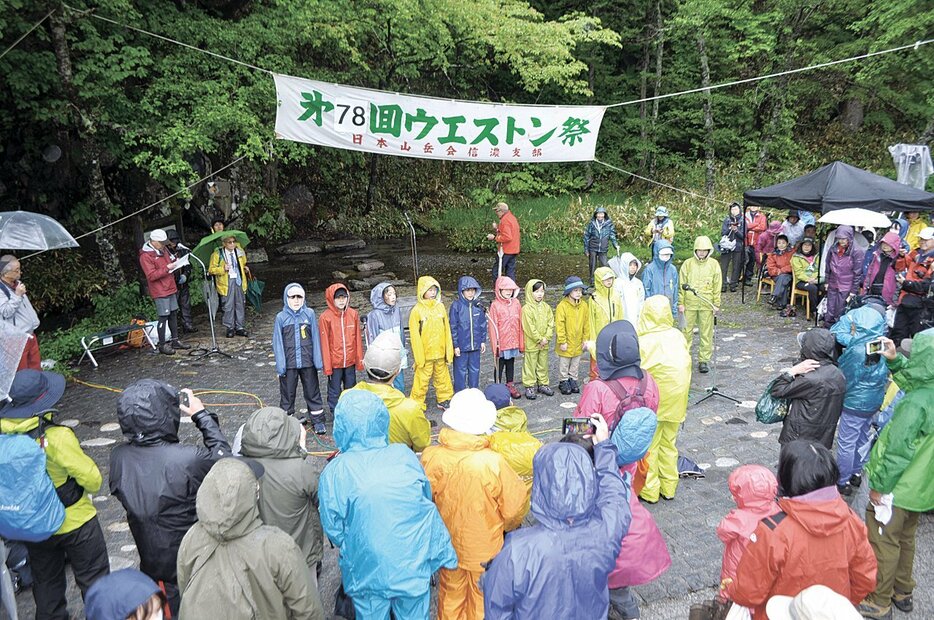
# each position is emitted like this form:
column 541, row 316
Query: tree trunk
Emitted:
column 90, row 154
column 659, row 49
column 928, row 134
column 371, row 184
column 643, row 92
column 708, row 116
column 851, row 117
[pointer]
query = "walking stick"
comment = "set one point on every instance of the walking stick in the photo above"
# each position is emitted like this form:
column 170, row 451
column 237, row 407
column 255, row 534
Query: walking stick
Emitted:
column 499, row 252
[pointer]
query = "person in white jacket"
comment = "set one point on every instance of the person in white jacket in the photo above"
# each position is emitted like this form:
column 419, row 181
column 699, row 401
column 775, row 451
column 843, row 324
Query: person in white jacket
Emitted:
column 630, row 287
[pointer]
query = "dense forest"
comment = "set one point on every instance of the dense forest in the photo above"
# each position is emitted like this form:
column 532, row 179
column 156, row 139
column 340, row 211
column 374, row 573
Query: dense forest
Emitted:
column 99, row 120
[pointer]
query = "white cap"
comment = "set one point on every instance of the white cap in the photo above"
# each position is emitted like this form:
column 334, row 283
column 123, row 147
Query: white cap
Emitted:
column 158, row 235
column 384, row 356
column 667, row 251
column 814, row 603
column 470, row 412
column 927, row 233
column 296, row 288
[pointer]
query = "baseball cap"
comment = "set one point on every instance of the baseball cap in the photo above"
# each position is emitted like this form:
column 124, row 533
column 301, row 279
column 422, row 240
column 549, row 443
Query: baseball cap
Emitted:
column 498, row 394
column 341, row 292
column 384, row 356
column 158, row 235
column 927, row 233
column 817, row 602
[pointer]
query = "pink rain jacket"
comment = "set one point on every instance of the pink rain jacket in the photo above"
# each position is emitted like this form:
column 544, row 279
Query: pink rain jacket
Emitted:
column 754, row 489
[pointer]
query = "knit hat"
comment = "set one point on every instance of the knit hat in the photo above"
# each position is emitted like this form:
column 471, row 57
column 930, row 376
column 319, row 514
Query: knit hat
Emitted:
column 158, row 235
column 498, row 394
column 383, row 357
column 470, row 412
column 571, row 283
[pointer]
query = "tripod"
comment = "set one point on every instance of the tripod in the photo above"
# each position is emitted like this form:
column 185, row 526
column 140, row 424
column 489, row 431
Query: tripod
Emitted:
column 202, row 352
column 712, row 390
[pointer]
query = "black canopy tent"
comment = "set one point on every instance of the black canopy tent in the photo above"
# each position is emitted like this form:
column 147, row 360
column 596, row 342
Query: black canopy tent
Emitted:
column 838, row 186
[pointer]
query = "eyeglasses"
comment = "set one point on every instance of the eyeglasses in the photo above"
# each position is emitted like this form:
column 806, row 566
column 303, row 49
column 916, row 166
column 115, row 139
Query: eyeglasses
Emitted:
column 296, row 297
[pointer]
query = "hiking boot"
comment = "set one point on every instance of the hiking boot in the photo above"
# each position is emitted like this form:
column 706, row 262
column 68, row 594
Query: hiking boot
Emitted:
column 874, row 612
column 514, row 393
column 444, row 404
column 530, row 393
column 189, row 329
column 856, row 480
column 789, row 312
column 733, row 288
column 547, row 391
column 243, row 332
column 903, row 601
column 166, row 349
column 723, row 288
column 575, row 386
column 178, row 344
column 230, row 333
column 320, row 428
column 703, row 367
column 565, row 387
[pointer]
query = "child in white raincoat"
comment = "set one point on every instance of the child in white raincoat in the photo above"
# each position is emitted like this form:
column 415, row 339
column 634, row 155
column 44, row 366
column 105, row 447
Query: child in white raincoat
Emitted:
column 629, row 286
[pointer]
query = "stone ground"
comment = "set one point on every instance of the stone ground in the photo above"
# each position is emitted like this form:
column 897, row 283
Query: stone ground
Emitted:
column 753, row 345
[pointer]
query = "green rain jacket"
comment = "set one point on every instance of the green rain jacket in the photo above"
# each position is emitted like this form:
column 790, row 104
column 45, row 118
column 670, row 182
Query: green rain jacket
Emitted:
column 702, row 275
column 538, row 320
column 903, row 458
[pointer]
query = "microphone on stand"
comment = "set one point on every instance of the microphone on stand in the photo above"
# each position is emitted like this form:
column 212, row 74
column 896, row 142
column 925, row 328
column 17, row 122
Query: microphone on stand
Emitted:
column 688, row 287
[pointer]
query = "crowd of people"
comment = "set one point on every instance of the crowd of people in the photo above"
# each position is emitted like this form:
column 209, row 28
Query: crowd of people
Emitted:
column 502, row 525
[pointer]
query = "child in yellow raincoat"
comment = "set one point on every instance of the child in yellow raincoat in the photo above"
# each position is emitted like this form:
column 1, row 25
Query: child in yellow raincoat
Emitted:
column 512, row 438
column 665, row 355
column 432, row 346
column 572, row 329
column 701, row 273
column 605, row 307
column 538, row 325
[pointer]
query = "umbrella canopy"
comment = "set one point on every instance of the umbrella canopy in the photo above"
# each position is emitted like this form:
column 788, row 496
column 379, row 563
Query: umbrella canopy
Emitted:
column 840, row 186
column 12, row 343
column 857, row 217
column 213, row 241
column 24, row 230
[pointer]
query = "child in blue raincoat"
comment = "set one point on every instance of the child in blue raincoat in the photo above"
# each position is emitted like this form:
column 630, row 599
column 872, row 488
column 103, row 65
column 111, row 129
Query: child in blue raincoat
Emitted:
column 660, row 277
column 468, row 332
column 385, row 316
column 296, row 346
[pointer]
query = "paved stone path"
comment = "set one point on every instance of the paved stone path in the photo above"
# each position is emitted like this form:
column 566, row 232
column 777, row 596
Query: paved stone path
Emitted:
column 753, row 345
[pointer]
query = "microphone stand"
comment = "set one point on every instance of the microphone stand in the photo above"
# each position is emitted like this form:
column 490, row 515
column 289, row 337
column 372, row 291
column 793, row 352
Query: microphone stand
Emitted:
column 202, row 352
column 712, row 390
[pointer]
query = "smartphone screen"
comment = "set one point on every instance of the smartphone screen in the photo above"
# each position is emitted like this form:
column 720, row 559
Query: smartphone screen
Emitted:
column 581, row 426
column 183, row 398
column 874, row 347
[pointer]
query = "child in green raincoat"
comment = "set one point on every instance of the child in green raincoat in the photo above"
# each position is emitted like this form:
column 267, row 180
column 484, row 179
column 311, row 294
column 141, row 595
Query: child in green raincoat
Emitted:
column 703, row 275
column 605, row 307
column 512, row 438
column 538, row 324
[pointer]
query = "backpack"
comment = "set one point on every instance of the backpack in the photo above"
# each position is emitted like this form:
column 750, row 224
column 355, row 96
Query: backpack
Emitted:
column 628, row 400
column 31, row 509
column 137, row 338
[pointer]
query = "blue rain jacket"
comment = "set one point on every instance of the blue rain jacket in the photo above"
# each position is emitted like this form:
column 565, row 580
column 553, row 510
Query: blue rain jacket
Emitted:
column 865, row 385
column 468, row 320
column 375, row 505
column 560, row 567
column 295, row 339
column 661, row 278
column 384, row 317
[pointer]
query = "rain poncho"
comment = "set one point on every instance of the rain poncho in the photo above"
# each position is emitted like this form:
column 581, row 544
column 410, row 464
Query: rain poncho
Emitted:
column 630, row 288
column 383, row 318
column 865, row 379
column 407, row 423
column 538, row 320
column 375, row 503
column 559, row 568
column 661, row 277
column 664, row 354
column 514, row 441
column 903, row 457
column 296, row 342
column 428, row 326
column 468, row 320
column 754, row 489
column 232, row 564
column 605, row 305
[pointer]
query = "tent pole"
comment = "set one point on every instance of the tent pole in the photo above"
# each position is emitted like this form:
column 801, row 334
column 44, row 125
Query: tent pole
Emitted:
column 820, row 256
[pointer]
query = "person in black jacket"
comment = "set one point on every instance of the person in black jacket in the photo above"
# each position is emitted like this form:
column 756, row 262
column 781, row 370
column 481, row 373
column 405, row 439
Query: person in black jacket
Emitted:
column 156, row 478
column 814, row 388
column 182, row 280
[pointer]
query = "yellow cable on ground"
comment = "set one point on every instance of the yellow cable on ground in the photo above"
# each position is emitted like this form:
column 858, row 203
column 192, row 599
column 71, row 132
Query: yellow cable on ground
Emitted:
column 198, row 393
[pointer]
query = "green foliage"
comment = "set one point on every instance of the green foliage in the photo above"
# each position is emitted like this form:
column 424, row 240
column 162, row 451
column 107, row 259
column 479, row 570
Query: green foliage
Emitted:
column 62, row 280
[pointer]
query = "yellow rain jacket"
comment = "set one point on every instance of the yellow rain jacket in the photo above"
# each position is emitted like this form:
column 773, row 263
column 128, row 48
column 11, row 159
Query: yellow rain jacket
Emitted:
column 572, row 326
column 478, row 495
column 665, row 355
column 407, row 423
column 538, row 320
column 605, row 305
column 514, row 441
column 216, row 269
column 703, row 275
column 64, row 459
column 429, row 327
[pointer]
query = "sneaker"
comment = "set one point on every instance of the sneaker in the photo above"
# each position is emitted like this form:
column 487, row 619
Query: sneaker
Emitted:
column 874, row 612
column 513, row 391
column 530, row 393
column 319, row 428
column 904, row 602
column 444, row 404
column 189, row 329
column 856, row 480
column 789, row 312
column 178, row 344
column 230, row 333
column 243, row 332
column 703, row 367
column 575, row 386
column 667, row 498
column 733, row 288
column 565, row 387
column 166, row 349
column 547, row 391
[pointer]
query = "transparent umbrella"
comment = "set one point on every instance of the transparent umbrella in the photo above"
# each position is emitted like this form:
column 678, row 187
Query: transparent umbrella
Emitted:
column 12, row 343
column 24, row 230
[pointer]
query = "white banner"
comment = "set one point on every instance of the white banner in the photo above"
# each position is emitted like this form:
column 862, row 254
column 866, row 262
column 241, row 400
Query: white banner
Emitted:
column 375, row 121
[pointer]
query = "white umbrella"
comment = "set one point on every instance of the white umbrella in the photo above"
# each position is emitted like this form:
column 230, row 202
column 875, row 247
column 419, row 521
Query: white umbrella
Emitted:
column 25, row 230
column 856, row 217
column 13, row 342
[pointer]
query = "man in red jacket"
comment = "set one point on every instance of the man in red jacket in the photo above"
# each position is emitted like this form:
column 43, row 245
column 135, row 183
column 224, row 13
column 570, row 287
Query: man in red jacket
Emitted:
column 507, row 236
column 157, row 265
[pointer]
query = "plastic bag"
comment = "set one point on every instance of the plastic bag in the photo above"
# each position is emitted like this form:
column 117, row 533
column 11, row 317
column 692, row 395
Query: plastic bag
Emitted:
column 770, row 410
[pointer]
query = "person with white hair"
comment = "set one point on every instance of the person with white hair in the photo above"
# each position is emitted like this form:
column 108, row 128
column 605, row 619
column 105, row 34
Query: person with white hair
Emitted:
column 17, row 311
column 157, row 264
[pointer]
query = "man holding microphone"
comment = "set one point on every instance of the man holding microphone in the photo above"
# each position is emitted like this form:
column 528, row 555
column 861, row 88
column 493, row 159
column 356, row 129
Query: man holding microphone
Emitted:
column 158, row 266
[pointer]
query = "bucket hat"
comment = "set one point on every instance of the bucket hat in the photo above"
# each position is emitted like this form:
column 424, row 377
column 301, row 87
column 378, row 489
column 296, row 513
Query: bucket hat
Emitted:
column 33, row 392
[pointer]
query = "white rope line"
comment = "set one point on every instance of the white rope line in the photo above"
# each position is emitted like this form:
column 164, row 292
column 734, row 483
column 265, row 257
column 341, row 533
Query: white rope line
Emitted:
column 147, row 207
column 659, row 183
column 27, row 33
column 914, row 45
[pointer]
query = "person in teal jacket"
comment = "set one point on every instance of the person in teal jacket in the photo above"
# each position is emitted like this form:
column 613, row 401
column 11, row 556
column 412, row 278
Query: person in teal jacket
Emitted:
column 660, row 277
column 375, row 505
column 901, row 465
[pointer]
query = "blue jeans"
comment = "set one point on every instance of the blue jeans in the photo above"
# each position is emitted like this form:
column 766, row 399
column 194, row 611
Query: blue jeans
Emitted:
column 466, row 370
column 852, row 434
column 372, row 607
